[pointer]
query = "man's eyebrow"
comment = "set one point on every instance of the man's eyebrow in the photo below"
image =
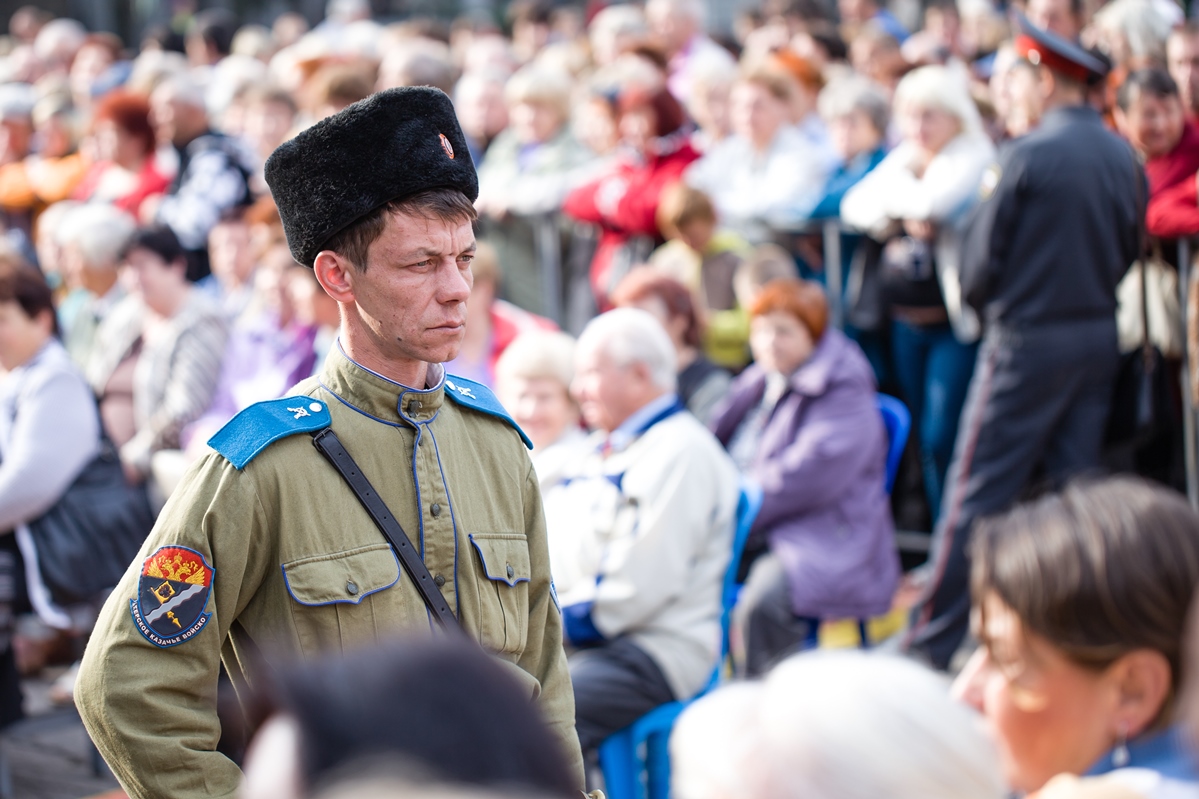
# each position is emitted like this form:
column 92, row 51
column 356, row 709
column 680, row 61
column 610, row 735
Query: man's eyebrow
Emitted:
column 427, row 252
column 422, row 252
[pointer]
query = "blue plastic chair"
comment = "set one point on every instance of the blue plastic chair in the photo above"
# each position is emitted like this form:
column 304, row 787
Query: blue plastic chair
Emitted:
column 898, row 422
column 636, row 760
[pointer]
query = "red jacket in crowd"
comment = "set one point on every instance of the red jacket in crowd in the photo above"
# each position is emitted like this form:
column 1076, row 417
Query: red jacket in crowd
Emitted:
column 624, row 203
column 1173, row 210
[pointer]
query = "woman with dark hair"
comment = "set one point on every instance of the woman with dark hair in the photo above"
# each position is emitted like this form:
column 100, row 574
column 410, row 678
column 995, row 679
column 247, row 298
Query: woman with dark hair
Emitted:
column 623, row 202
column 1080, row 604
column 466, row 721
column 803, row 422
column 158, row 354
column 125, row 173
column 49, row 432
column 702, row 384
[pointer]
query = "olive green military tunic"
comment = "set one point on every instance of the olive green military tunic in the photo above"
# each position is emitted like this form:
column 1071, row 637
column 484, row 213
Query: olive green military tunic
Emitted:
column 290, row 555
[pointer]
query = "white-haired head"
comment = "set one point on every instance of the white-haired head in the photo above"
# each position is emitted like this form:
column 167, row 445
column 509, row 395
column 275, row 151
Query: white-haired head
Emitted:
column 835, row 725
column 182, row 88
column 98, row 232
column 631, row 336
column 943, row 88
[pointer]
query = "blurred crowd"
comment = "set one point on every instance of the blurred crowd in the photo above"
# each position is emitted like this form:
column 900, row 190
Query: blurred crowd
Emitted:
column 752, row 232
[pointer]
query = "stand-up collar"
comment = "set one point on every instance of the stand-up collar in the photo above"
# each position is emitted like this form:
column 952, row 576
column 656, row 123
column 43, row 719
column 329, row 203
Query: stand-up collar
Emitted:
column 378, row 397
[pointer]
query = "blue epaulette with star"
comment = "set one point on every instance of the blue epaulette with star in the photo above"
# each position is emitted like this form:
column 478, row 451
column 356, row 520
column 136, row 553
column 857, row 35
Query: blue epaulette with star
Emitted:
column 479, row 397
column 264, row 423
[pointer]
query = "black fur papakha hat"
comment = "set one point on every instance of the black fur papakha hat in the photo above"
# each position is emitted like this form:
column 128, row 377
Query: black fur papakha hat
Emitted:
column 391, row 145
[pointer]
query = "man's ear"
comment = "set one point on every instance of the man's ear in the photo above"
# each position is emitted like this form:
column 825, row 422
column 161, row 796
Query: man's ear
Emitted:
column 645, row 377
column 336, row 276
column 1046, row 82
column 1145, row 683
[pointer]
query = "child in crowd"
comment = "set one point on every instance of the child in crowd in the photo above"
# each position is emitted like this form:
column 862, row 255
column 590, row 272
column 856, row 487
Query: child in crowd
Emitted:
column 705, row 259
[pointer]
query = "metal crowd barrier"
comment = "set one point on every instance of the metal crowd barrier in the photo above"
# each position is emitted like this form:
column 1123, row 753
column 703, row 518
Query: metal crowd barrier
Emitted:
column 1190, row 444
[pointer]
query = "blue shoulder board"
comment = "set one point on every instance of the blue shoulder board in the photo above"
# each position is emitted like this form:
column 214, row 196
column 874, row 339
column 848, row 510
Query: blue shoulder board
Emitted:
column 262, row 424
column 479, row 397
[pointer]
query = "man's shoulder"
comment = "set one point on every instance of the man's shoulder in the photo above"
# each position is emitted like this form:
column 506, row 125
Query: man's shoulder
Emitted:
column 257, row 427
column 479, row 399
column 680, row 442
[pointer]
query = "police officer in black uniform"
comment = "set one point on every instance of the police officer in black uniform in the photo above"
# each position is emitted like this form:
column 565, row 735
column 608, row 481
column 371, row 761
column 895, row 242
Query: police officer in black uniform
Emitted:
column 1057, row 228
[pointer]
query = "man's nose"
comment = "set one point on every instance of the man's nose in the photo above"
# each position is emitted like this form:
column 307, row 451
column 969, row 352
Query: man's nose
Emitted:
column 454, row 283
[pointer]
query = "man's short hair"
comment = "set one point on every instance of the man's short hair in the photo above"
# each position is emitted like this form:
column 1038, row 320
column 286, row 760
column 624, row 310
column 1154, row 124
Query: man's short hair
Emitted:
column 1152, row 82
column 632, row 336
column 441, row 204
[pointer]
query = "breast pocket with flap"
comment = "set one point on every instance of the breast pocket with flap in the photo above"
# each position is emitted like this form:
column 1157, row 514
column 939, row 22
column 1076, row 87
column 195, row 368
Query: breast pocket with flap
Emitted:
column 329, row 592
column 502, row 560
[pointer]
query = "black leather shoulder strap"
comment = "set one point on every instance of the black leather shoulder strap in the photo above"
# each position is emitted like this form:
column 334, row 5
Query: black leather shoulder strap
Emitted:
column 331, row 447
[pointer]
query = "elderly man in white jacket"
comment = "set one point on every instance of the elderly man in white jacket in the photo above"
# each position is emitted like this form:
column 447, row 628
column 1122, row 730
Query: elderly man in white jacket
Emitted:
column 640, row 532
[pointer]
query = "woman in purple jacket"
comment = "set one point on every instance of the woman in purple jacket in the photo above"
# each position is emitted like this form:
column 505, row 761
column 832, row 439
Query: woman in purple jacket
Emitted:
column 803, row 422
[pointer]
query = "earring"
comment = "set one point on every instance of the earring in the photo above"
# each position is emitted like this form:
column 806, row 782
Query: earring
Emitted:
column 1120, row 755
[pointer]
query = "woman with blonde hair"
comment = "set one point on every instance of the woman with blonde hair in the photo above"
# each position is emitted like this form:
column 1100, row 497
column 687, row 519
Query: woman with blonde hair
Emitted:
column 914, row 205
column 533, row 379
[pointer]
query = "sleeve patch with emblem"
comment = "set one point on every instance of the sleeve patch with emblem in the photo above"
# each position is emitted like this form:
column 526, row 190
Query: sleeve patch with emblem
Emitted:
column 171, row 596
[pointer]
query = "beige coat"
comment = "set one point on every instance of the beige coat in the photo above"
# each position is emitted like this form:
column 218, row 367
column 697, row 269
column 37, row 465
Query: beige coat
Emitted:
column 299, row 566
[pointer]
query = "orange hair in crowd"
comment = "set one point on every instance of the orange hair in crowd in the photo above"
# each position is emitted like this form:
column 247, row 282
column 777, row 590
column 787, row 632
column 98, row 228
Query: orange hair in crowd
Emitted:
column 801, row 298
column 799, row 68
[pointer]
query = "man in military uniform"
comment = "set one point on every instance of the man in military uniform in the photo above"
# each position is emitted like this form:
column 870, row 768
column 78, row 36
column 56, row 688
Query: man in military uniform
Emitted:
column 1057, row 228
column 265, row 543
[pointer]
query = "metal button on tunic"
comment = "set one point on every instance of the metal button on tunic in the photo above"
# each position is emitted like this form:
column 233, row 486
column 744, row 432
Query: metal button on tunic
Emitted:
column 511, row 571
column 351, row 588
column 439, row 581
column 435, row 510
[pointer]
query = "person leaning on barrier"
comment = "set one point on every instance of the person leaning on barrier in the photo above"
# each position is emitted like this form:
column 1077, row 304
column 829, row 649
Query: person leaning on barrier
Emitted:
column 265, row 542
